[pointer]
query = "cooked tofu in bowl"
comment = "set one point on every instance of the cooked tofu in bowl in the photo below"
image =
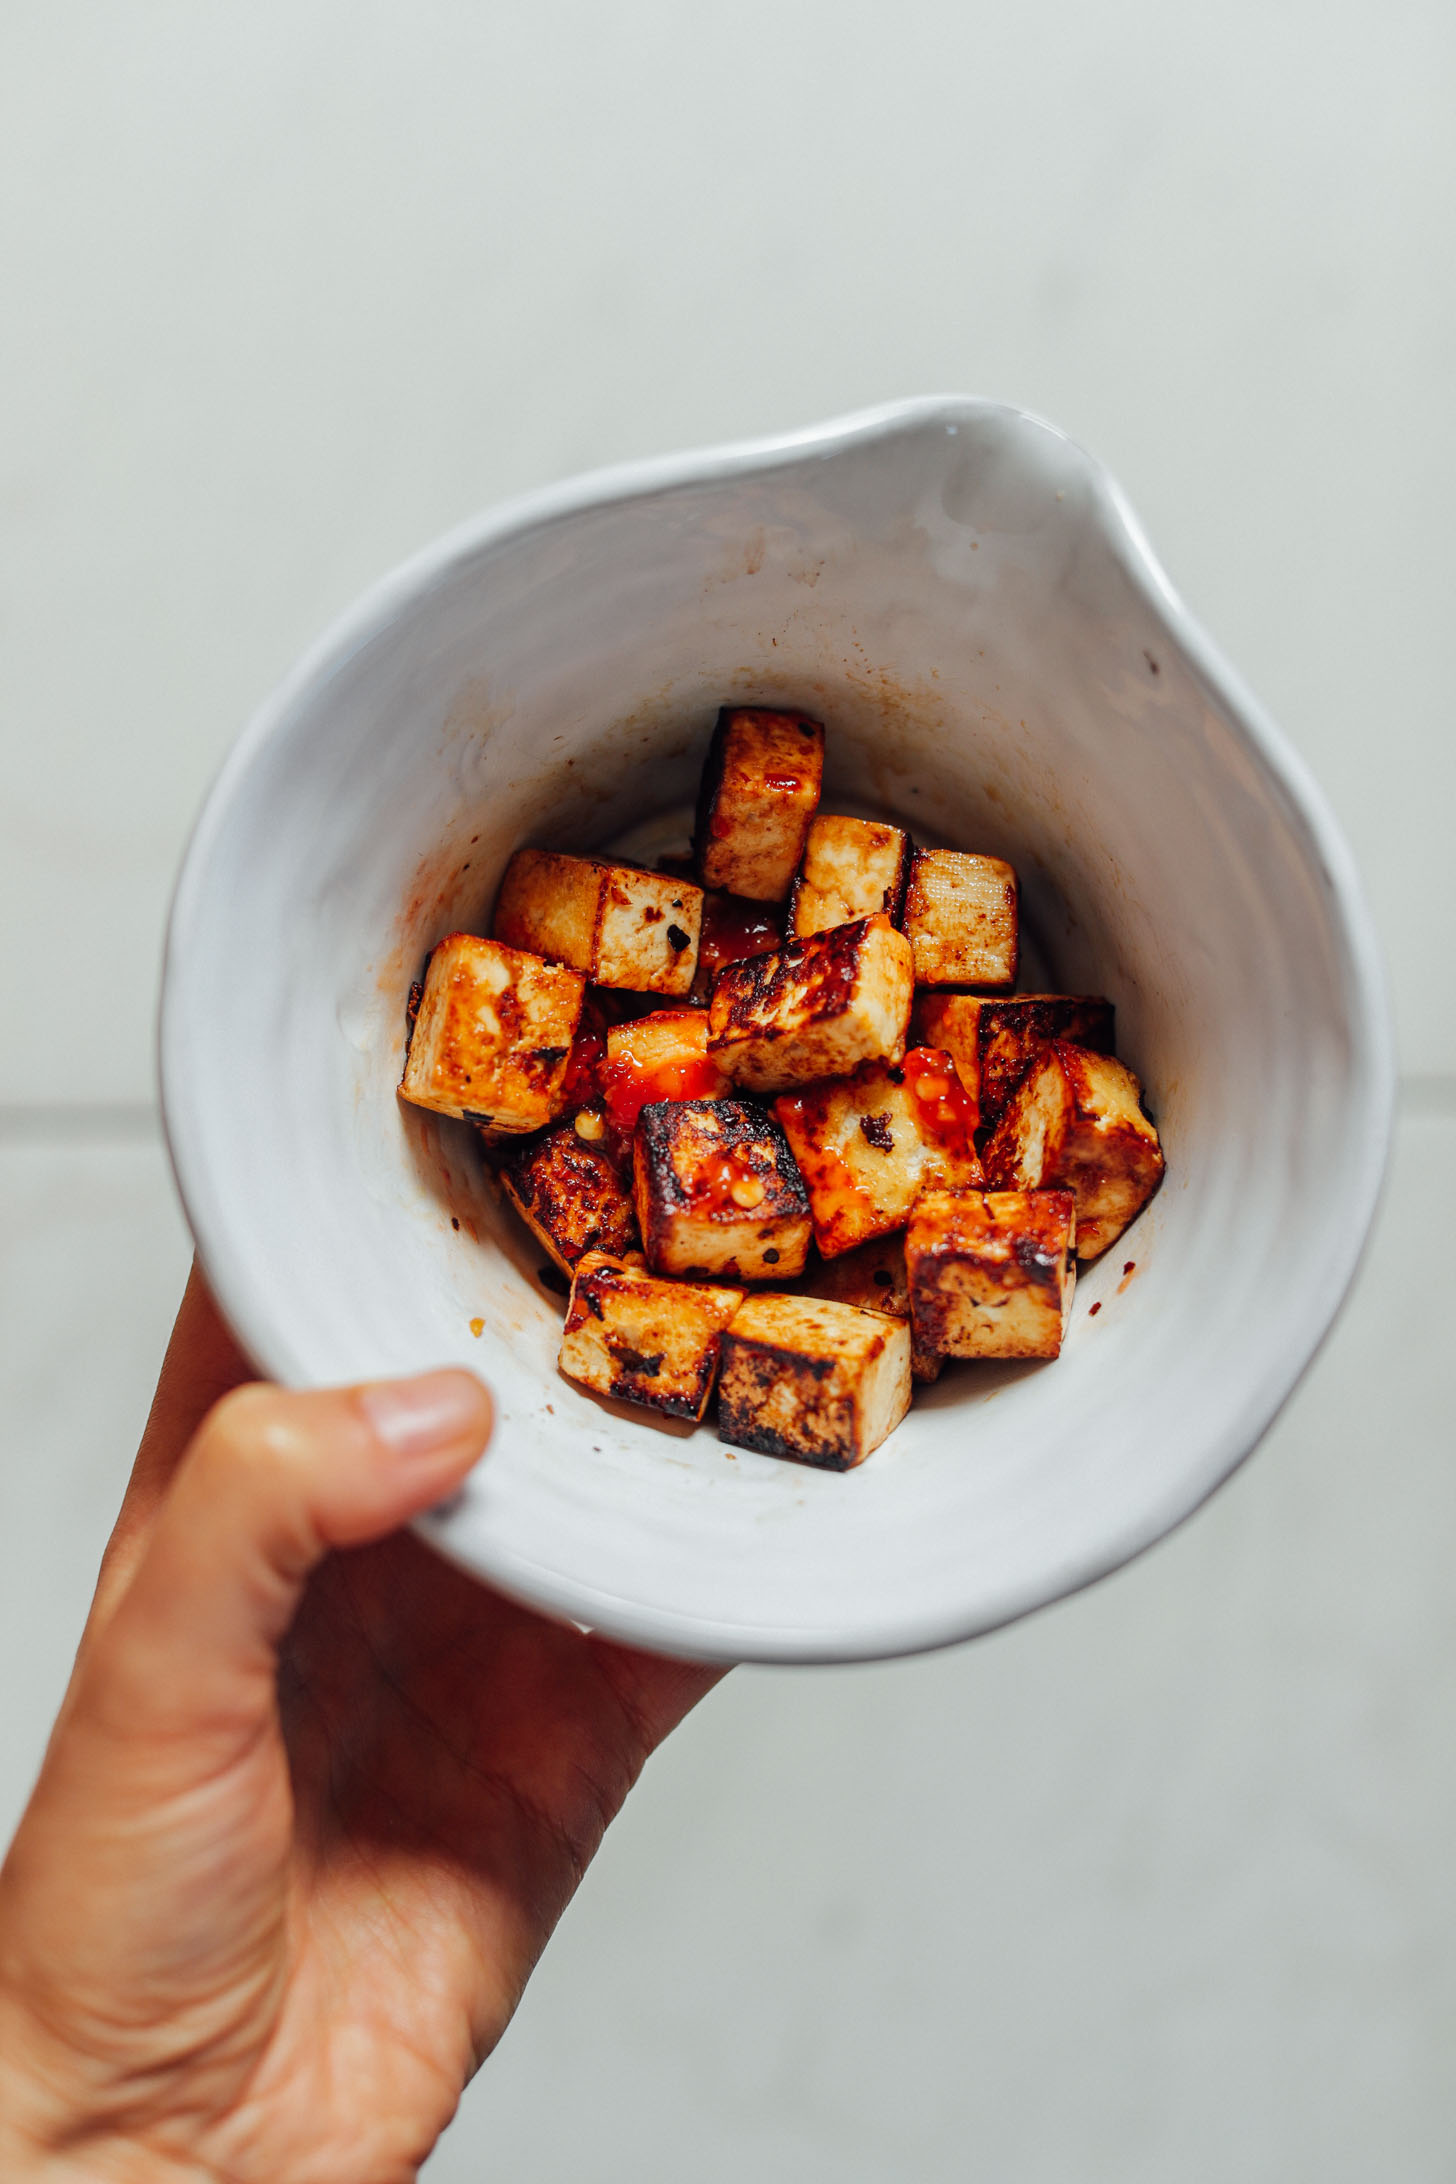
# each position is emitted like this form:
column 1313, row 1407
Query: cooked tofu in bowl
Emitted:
column 1099, row 970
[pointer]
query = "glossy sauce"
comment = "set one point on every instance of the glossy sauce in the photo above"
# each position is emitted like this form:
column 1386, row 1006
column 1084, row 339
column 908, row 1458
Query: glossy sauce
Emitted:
column 944, row 1112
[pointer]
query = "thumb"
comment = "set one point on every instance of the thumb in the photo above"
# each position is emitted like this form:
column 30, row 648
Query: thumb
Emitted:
column 271, row 1481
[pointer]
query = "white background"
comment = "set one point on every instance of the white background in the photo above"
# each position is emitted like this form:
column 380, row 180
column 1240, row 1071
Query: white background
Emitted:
column 1158, row 1885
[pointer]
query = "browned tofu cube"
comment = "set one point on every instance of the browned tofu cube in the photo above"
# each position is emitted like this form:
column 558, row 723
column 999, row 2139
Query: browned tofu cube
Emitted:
column 641, row 1340
column 734, row 929
column 814, row 1008
column 760, row 790
column 617, row 925
column 867, row 1145
column 851, row 869
column 663, row 1056
column 873, row 1277
column 1075, row 1123
column 492, row 1039
column 718, row 1195
column 991, row 1273
column 821, row 1383
column 569, row 1193
column 993, row 1042
column 961, row 919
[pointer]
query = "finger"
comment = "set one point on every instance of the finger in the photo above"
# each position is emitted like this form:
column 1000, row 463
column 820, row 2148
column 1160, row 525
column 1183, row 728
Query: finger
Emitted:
column 202, row 1363
column 655, row 1693
column 270, row 1483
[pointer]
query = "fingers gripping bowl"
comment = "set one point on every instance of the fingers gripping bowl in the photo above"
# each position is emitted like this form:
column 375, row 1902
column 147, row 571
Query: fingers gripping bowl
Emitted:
column 964, row 594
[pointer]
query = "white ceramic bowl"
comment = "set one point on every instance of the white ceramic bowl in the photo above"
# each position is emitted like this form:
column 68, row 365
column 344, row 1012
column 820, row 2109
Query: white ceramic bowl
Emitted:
column 966, row 600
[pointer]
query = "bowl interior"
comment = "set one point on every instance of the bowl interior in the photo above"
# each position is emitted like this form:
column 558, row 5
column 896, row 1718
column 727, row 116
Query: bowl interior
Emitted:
column 957, row 595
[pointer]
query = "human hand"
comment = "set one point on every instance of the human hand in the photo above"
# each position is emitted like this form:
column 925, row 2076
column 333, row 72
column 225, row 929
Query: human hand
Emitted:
column 313, row 1804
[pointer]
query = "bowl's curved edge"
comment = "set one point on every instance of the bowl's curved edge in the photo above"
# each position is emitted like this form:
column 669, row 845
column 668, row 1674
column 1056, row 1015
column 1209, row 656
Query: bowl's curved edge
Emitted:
column 1372, row 1099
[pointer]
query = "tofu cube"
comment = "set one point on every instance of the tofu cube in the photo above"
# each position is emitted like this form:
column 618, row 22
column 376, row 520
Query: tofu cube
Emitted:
column 734, row 929
column 1075, row 1123
column 492, row 1040
column 663, row 1056
column 851, row 869
column 993, row 1043
column 873, row 1277
column 991, row 1273
column 718, row 1195
column 961, row 919
column 814, row 1008
column 759, row 792
column 617, row 925
column 570, row 1194
column 641, row 1340
column 818, row 1382
column 867, row 1145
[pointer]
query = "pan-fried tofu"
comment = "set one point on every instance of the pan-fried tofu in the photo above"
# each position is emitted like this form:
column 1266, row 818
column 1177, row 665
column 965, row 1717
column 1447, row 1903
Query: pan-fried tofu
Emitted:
column 1076, row 1123
column 867, row 1145
column 851, row 869
column 821, row 1383
column 961, row 916
column 492, row 1040
column 993, row 1043
column 568, row 1192
column 873, row 1277
column 717, row 1192
column 814, row 1008
column 641, row 1340
column 759, row 792
column 991, row 1273
column 617, row 925
column 663, row 1056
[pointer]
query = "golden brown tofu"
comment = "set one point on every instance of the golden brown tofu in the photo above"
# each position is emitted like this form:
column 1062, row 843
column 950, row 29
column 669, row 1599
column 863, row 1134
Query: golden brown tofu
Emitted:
column 993, row 1043
column 991, row 1273
column 641, row 1340
column 1075, row 1123
column 961, row 916
column 760, row 790
column 569, row 1193
column 851, row 869
column 717, row 1192
column 867, row 1145
column 814, row 1008
column 492, row 1040
column 873, row 1277
column 617, row 925
column 821, row 1383
column 663, row 1056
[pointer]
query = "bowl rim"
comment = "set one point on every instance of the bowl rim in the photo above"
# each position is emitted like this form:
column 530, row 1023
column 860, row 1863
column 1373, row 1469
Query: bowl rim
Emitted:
column 1370, row 1080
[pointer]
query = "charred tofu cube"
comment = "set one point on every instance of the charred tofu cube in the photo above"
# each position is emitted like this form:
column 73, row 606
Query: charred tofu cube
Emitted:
column 851, row 869
column 663, row 1056
column 993, row 1043
column 734, row 929
column 718, row 1195
column 814, row 1008
column 873, row 1278
column 569, row 1193
column 492, row 1039
column 641, row 1340
column 760, row 790
column 869, row 1144
column 991, row 1273
column 961, row 919
column 1075, row 1123
column 821, row 1383
column 617, row 925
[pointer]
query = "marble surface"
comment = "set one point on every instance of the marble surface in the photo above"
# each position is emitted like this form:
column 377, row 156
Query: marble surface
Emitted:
column 301, row 284
column 1157, row 1885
